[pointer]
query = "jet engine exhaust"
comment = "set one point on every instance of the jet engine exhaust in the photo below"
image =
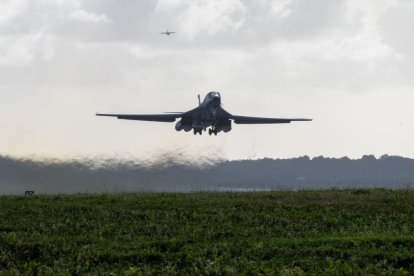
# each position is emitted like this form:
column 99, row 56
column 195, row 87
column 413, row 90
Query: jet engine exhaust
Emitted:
column 180, row 126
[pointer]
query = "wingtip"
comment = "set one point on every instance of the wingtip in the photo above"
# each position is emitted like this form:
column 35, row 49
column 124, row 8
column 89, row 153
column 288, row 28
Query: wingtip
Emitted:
column 302, row 120
column 100, row 114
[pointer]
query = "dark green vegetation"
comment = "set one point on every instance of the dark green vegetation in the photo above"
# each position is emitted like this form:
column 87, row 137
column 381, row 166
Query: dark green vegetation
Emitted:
column 287, row 233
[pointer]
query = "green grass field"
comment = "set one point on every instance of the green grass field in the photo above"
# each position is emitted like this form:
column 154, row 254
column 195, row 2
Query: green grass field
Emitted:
column 286, row 233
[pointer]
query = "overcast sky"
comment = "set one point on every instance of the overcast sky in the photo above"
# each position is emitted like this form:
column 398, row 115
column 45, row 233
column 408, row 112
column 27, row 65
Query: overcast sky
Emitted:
column 348, row 64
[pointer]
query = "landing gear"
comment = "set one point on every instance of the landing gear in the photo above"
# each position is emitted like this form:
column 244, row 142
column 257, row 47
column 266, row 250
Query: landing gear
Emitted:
column 211, row 131
column 195, row 130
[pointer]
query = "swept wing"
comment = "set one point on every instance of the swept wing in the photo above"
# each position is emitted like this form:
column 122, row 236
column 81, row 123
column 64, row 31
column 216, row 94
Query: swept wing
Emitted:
column 170, row 117
column 261, row 120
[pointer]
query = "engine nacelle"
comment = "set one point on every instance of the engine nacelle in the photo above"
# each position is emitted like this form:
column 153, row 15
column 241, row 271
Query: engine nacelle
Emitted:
column 227, row 128
column 224, row 126
column 180, row 126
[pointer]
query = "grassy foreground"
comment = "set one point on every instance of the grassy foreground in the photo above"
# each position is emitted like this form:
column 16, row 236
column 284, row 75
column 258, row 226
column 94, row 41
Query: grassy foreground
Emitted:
column 287, row 233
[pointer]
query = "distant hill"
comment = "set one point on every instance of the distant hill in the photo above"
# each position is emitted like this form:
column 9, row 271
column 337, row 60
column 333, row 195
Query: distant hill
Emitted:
column 51, row 176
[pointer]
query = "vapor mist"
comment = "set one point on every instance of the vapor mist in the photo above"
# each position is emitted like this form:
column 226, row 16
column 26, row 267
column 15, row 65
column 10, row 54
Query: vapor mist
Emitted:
column 166, row 170
column 179, row 172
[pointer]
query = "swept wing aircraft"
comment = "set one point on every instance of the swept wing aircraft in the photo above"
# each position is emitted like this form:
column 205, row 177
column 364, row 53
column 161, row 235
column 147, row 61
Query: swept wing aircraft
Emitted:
column 209, row 114
column 167, row 33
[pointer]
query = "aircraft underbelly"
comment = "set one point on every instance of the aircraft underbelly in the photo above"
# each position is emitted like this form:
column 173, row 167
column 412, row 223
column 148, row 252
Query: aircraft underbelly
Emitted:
column 211, row 116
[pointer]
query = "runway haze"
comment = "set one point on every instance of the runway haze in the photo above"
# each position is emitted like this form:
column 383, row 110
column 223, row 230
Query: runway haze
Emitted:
column 168, row 172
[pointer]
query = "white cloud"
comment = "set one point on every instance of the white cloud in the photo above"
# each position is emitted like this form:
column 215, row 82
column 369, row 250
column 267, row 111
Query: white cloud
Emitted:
column 211, row 17
column 23, row 50
column 88, row 17
column 10, row 9
column 281, row 7
column 168, row 5
column 28, row 30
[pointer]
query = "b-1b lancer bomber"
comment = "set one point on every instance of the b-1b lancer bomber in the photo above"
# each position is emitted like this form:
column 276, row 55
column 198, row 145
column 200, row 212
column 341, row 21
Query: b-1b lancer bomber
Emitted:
column 208, row 115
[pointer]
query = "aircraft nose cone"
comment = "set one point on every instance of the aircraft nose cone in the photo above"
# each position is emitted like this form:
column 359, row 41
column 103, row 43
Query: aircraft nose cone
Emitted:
column 215, row 98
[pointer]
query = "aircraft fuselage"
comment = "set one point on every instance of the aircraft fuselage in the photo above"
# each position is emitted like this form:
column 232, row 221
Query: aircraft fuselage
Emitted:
column 208, row 114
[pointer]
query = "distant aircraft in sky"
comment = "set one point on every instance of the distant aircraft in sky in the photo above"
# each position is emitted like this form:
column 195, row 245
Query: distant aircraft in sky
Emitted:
column 167, row 33
column 208, row 114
